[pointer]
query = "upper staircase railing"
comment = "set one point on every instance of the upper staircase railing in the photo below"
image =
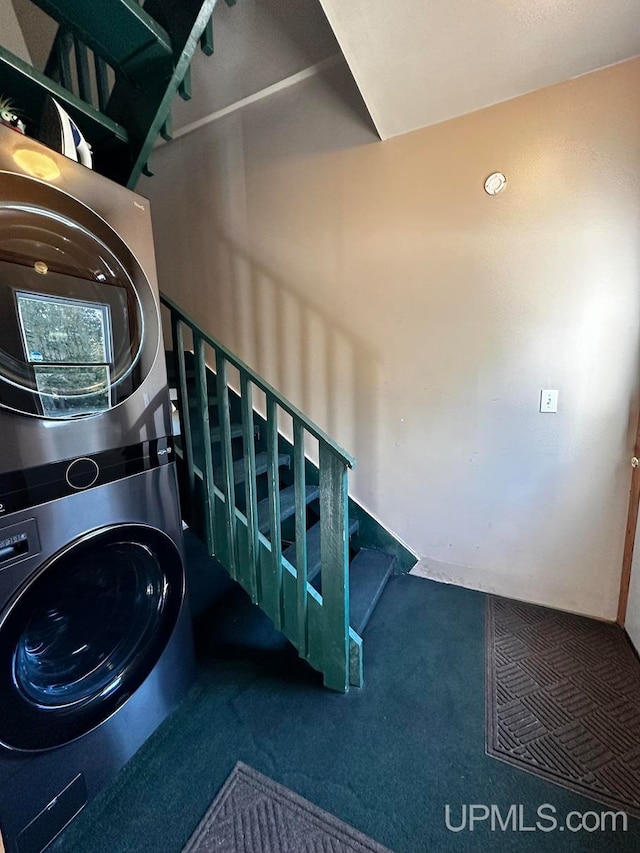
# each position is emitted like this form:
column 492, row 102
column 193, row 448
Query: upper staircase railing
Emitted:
column 246, row 535
column 115, row 66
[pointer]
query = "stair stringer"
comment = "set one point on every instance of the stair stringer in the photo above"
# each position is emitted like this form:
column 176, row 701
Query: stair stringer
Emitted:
column 371, row 533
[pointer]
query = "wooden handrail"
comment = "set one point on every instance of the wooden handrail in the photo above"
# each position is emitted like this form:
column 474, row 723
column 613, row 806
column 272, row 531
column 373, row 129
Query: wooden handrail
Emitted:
column 268, row 389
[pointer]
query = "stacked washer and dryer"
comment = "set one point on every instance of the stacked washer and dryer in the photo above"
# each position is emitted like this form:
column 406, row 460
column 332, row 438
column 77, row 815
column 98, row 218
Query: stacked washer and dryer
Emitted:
column 95, row 636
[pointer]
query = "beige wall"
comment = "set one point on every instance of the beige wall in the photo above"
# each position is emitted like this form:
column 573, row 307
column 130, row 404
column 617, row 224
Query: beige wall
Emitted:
column 258, row 43
column 416, row 318
column 10, row 33
column 39, row 31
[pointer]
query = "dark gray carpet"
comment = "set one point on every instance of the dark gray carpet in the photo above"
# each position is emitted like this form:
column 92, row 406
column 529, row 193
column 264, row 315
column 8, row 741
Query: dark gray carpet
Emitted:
column 563, row 700
column 254, row 814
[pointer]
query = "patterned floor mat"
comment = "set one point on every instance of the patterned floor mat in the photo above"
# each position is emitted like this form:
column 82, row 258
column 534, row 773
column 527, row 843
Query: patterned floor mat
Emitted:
column 254, row 814
column 563, row 700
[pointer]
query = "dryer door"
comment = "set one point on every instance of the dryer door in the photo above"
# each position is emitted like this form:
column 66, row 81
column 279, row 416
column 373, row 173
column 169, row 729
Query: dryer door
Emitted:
column 79, row 327
column 83, row 635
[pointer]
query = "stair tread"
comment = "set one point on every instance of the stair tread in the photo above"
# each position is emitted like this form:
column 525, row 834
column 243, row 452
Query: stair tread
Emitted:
column 287, row 505
column 313, row 549
column 212, row 400
column 235, row 431
column 189, row 373
column 262, row 463
column 118, row 30
column 369, row 572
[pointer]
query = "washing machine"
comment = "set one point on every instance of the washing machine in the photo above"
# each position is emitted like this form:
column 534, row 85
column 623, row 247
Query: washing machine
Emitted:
column 95, row 634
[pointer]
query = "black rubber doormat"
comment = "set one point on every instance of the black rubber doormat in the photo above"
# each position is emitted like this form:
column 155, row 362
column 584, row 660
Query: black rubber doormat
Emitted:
column 254, row 814
column 563, row 700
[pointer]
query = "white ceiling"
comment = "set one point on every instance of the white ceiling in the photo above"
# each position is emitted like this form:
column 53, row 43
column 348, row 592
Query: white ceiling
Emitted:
column 424, row 61
column 416, row 63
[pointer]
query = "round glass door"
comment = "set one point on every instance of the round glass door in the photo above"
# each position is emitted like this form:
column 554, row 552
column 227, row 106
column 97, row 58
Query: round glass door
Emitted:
column 78, row 321
column 85, row 633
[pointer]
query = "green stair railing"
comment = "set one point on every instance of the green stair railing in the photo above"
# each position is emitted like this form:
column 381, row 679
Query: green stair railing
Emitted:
column 240, row 534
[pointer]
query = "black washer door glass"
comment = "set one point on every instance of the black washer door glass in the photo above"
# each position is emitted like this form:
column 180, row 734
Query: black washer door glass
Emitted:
column 84, row 635
column 71, row 321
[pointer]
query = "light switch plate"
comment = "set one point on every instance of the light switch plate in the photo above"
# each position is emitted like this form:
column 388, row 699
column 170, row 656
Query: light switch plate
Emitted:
column 548, row 401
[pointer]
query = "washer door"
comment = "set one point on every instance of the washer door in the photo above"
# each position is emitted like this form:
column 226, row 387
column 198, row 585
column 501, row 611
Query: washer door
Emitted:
column 79, row 326
column 83, row 635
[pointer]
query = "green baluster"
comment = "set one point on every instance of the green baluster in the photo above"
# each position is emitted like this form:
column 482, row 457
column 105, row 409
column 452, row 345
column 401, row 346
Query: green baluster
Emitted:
column 273, row 475
column 301, row 536
column 203, row 414
column 206, row 39
column 186, row 437
column 251, row 496
column 227, row 461
column 334, row 554
column 82, row 69
column 102, row 82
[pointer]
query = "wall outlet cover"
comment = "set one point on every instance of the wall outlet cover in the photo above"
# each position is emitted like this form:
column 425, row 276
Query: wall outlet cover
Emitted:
column 548, row 400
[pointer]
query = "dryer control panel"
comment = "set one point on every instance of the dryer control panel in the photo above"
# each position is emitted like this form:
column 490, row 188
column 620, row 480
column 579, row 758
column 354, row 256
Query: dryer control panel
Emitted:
column 18, row 541
column 32, row 486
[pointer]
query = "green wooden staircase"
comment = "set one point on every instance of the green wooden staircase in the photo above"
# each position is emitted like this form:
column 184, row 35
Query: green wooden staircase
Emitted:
column 283, row 525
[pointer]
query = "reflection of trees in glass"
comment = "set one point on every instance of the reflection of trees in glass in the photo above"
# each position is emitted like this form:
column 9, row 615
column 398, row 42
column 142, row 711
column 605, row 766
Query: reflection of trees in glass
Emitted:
column 60, row 333
column 66, row 331
column 60, row 388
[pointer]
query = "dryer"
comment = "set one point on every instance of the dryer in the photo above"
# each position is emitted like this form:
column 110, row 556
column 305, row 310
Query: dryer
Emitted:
column 95, row 634
column 81, row 364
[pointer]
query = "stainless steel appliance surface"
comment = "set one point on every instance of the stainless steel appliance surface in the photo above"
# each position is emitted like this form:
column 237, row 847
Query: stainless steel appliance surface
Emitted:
column 95, row 640
column 81, row 363
column 95, row 634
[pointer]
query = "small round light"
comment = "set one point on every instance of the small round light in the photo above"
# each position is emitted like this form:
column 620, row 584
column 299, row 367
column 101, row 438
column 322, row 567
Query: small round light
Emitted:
column 41, row 267
column 495, row 183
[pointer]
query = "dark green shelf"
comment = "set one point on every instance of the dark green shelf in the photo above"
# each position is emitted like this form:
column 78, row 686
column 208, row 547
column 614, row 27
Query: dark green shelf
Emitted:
column 29, row 89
